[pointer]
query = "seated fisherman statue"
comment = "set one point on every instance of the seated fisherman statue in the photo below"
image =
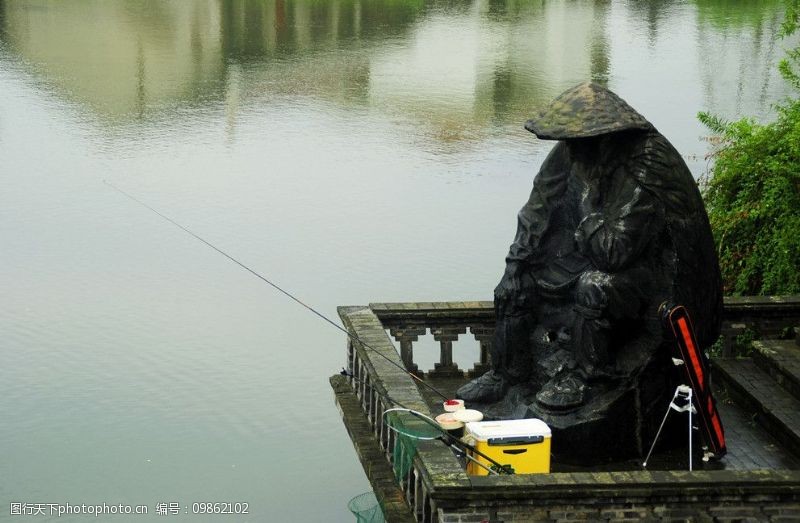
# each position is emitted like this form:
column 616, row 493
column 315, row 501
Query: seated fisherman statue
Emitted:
column 614, row 227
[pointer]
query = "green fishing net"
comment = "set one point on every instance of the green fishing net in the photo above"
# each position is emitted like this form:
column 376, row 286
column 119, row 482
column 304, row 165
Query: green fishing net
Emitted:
column 403, row 455
column 366, row 508
column 410, row 427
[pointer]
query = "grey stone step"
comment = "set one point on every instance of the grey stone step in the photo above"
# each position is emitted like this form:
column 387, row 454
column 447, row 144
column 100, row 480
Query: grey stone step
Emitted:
column 781, row 360
column 774, row 408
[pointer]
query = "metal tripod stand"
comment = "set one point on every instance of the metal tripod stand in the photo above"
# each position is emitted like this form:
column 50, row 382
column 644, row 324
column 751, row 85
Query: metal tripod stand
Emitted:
column 683, row 393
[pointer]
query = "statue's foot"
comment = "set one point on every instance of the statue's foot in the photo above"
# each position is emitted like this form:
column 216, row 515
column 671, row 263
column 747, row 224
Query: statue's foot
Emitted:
column 562, row 392
column 490, row 387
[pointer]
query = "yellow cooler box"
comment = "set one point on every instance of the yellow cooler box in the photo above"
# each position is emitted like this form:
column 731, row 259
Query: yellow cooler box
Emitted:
column 522, row 443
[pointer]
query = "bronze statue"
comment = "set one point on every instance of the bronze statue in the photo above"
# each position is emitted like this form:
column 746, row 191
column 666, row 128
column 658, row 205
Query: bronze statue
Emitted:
column 614, row 227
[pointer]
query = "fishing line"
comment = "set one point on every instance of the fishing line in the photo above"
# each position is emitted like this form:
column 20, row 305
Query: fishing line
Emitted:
column 352, row 336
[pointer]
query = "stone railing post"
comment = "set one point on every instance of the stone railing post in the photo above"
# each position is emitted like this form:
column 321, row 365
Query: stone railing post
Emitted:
column 406, row 336
column 446, row 336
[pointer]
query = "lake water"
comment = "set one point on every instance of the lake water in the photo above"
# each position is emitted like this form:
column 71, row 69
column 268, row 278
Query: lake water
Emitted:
column 352, row 151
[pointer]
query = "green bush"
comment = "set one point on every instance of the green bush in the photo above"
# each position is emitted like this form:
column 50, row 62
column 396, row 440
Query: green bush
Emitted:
column 753, row 192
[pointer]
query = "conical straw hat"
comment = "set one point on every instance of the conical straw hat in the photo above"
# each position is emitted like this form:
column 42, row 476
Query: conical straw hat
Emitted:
column 586, row 110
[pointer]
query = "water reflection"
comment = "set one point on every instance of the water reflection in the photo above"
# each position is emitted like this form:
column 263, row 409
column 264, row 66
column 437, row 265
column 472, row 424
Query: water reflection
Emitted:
column 653, row 13
column 456, row 71
column 122, row 59
column 442, row 63
column 738, row 40
column 725, row 15
column 284, row 28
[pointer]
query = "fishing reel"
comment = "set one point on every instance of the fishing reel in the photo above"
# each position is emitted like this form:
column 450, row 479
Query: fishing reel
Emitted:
column 503, row 469
column 462, row 452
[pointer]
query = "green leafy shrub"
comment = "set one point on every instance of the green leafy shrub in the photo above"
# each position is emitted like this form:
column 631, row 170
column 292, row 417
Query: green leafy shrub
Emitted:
column 753, row 192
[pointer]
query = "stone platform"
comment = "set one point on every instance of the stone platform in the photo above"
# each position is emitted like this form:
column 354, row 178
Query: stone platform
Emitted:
column 758, row 480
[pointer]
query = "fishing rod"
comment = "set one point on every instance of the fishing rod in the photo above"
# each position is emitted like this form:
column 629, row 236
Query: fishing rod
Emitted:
column 352, row 336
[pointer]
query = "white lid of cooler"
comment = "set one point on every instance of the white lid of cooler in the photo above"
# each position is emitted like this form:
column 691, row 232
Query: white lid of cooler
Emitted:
column 512, row 428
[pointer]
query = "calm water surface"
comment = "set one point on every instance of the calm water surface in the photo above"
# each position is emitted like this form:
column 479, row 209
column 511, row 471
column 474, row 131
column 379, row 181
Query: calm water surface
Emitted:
column 353, row 151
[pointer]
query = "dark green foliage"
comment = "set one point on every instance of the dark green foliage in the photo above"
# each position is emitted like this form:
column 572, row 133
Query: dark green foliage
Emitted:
column 753, row 193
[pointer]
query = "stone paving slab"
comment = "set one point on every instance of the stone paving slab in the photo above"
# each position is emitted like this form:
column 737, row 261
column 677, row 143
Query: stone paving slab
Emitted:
column 750, row 446
column 772, row 406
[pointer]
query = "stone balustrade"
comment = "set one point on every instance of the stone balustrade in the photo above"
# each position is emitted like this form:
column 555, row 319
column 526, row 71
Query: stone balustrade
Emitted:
column 768, row 316
column 379, row 383
column 447, row 322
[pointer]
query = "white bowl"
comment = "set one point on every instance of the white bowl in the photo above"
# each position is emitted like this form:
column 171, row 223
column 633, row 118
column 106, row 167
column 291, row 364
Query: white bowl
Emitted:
column 454, row 407
column 448, row 422
column 467, row 415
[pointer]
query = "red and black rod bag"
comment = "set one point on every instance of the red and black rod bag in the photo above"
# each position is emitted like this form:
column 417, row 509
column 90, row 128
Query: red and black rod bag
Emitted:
column 679, row 324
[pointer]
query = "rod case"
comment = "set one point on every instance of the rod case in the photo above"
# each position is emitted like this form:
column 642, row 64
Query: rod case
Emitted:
column 677, row 321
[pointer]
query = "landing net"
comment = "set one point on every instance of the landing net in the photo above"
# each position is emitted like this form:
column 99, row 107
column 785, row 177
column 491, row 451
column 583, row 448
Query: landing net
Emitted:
column 366, row 508
column 410, row 427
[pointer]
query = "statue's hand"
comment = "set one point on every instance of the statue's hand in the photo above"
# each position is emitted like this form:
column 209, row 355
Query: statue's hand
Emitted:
column 514, row 294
